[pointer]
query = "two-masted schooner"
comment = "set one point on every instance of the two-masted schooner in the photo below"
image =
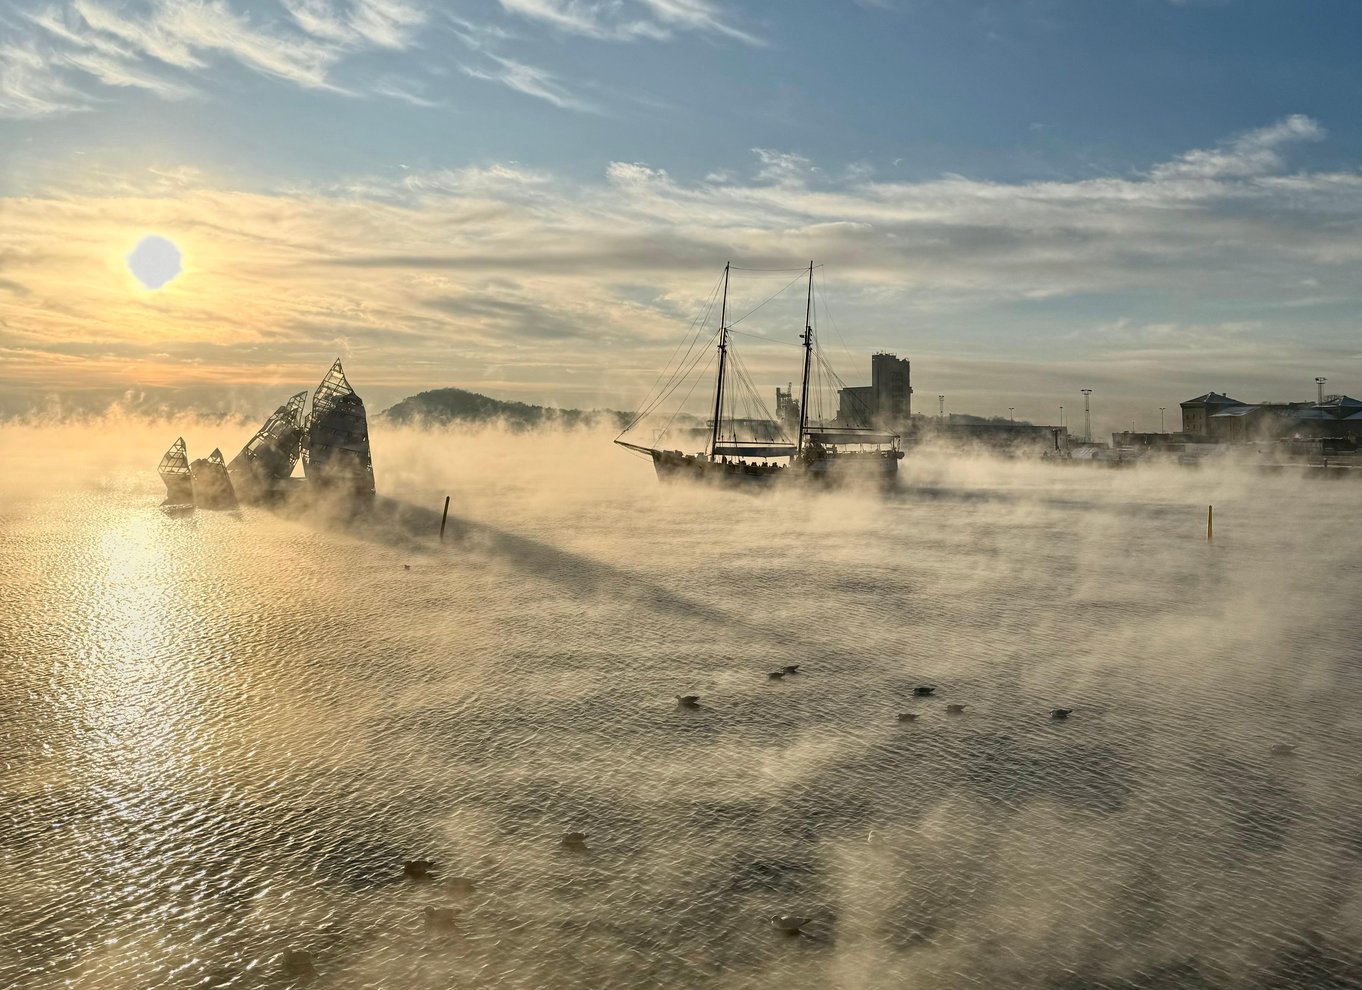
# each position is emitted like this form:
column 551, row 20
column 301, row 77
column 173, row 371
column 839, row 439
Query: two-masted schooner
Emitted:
column 823, row 452
column 332, row 441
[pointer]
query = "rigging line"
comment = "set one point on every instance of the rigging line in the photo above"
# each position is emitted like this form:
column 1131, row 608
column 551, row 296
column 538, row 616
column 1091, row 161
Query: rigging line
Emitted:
column 763, row 337
column 678, row 377
column 780, row 291
column 752, row 394
column 823, row 298
column 804, row 269
column 697, row 324
column 668, row 425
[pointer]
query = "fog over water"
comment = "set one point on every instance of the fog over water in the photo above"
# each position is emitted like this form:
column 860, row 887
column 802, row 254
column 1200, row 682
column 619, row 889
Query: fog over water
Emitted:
column 222, row 734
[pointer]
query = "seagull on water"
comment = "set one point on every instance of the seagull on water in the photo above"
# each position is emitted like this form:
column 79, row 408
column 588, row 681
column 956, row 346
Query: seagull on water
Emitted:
column 775, row 675
column 688, row 700
column 1061, row 712
column 955, row 709
column 790, row 924
column 418, row 869
column 924, row 690
column 297, row 963
column 790, row 668
column 576, row 841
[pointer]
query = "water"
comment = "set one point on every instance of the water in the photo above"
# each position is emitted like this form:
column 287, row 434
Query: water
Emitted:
column 223, row 734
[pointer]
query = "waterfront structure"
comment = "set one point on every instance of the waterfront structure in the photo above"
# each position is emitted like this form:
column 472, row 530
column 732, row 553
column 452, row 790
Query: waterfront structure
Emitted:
column 886, row 403
column 1217, row 418
column 335, row 445
column 269, row 457
column 332, row 442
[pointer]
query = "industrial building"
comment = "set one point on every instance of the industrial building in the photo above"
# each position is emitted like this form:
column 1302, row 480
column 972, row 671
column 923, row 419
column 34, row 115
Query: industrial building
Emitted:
column 1217, row 418
column 886, row 403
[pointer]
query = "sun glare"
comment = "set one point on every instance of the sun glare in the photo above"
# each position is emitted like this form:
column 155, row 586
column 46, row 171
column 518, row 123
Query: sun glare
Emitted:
column 155, row 261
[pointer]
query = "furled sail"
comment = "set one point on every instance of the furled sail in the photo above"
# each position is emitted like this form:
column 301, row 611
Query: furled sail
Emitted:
column 336, row 442
column 174, row 471
column 270, row 456
column 212, row 485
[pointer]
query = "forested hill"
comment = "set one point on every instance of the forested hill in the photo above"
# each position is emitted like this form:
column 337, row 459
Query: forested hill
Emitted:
column 456, row 405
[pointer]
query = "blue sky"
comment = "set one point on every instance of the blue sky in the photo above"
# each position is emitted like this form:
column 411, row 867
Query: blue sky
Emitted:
column 1152, row 196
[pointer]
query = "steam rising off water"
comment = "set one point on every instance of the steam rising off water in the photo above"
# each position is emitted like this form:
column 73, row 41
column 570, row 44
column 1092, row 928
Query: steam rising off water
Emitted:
column 223, row 734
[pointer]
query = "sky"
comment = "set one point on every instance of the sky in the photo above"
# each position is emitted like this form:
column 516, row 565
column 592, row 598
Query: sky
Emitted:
column 534, row 198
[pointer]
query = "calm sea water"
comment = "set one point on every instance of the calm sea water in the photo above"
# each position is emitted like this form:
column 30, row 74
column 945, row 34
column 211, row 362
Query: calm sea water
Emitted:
column 224, row 734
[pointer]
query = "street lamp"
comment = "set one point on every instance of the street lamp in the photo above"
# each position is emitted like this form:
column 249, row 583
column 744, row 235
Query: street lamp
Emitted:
column 1061, row 415
column 1010, row 417
column 1161, row 427
column 941, row 408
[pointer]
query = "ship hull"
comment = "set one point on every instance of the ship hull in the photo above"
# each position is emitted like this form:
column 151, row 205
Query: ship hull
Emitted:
column 832, row 469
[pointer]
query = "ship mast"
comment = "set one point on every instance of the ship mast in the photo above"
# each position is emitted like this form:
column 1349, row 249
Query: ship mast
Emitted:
column 723, row 351
column 807, row 337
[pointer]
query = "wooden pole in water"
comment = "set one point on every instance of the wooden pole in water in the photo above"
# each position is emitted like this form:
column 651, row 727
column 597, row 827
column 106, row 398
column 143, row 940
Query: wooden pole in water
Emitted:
column 1210, row 523
column 443, row 519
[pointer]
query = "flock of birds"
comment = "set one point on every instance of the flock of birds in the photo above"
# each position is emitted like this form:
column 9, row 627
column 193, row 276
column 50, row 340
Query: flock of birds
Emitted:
column 921, row 691
column 298, row 964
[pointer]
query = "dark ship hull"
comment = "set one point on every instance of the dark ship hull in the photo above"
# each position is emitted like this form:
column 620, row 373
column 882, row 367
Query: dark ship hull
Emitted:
column 830, row 468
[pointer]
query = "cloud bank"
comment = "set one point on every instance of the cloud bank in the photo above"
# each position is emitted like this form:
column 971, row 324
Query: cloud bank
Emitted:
column 1222, row 262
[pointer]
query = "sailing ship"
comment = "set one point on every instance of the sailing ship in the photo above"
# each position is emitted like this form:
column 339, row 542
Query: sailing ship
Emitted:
column 818, row 452
column 332, row 441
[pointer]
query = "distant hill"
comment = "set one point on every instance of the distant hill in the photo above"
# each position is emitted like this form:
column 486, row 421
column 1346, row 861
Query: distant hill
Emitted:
column 455, row 405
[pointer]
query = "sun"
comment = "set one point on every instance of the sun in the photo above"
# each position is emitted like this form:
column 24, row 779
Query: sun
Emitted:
column 155, row 262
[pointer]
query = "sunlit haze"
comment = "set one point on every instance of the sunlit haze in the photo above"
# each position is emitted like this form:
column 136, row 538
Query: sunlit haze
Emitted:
column 529, row 199
column 628, row 494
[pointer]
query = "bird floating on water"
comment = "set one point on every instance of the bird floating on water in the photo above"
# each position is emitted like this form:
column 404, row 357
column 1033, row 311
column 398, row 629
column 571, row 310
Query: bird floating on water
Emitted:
column 406, row 567
column 1284, row 749
column 688, row 700
column 907, row 716
column 775, row 675
column 790, row 924
column 1061, row 712
column 441, row 919
column 418, row 869
column 923, row 690
column 955, row 709
column 576, row 841
column 297, row 963
column 790, row 668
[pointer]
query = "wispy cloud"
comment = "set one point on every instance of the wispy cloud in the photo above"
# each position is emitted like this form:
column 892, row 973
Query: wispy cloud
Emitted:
column 161, row 45
column 458, row 269
column 1256, row 153
column 531, row 81
column 628, row 20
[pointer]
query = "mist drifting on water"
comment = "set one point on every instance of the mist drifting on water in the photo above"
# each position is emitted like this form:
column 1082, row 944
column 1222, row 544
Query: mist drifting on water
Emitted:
column 224, row 733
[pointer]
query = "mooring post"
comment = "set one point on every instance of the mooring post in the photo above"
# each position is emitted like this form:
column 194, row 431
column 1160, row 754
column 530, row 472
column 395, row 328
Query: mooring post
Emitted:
column 1210, row 523
column 443, row 519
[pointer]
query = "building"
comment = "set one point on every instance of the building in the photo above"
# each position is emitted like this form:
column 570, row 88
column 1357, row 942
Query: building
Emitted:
column 1216, row 418
column 787, row 408
column 887, row 402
